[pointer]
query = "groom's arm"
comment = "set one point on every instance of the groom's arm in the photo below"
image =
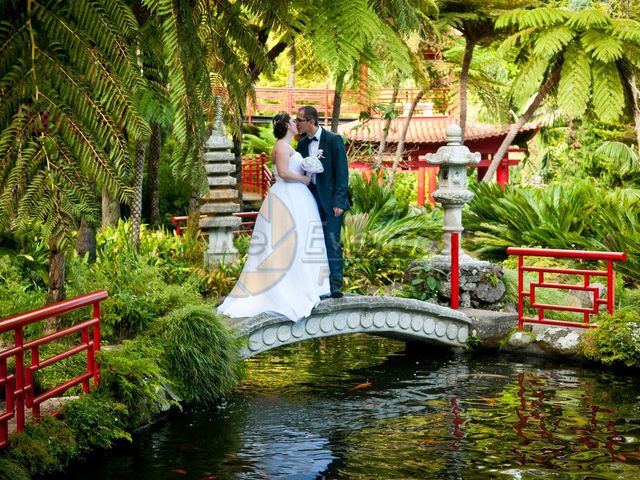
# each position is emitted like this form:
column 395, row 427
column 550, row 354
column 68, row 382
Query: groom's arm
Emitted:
column 341, row 169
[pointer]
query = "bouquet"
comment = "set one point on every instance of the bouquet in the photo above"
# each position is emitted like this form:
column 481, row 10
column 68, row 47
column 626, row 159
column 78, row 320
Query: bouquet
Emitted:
column 312, row 163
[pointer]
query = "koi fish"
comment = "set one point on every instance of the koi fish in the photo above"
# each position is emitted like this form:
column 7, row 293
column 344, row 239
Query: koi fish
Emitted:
column 360, row 386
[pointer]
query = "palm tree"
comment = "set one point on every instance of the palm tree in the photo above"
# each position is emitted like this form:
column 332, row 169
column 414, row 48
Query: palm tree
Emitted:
column 346, row 34
column 209, row 46
column 583, row 56
column 474, row 20
column 67, row 83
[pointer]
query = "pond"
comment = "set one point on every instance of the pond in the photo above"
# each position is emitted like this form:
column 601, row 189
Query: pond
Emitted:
column 360, row 407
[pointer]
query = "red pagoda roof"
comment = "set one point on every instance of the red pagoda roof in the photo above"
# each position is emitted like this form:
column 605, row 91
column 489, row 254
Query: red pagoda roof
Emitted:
column 427, row 130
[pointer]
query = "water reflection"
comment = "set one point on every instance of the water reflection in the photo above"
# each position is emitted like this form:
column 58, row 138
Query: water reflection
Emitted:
column 360, row 408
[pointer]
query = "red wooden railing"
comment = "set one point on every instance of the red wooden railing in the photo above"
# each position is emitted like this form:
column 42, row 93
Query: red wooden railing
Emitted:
column 256, row 177
column 609, row 274
column 246, row 226
column 455, row 270
column 248, row 222
column 270, row 101
column 19, row 386
column 181, row 222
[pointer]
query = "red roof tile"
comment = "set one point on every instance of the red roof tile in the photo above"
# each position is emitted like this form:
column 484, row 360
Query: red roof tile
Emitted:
column 423, row 130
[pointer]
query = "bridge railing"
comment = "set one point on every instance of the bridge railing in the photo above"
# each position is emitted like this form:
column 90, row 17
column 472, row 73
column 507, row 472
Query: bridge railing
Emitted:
column 270, row 101
column 19, row 385
column 256, row 176
column 533, row 288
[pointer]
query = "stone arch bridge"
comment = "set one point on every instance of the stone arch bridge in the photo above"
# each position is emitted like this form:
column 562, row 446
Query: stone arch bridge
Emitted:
column 399, row 318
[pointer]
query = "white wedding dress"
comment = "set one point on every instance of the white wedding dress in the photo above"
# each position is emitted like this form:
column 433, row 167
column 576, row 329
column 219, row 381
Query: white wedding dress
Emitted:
column 286, row 269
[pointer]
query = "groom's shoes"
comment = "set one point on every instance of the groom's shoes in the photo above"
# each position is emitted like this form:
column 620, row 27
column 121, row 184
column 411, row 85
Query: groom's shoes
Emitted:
column 332, row 295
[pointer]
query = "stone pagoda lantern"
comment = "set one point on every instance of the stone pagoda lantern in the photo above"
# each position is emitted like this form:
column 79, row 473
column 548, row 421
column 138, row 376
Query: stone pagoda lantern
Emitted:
column 452, row 193
column 222, row 200
column 480, row 283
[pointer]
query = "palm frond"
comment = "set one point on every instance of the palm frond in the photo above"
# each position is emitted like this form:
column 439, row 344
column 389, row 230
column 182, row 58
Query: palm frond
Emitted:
column 623, row 156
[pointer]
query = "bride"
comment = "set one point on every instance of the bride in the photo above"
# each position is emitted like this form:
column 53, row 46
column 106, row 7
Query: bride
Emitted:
column 286, row 270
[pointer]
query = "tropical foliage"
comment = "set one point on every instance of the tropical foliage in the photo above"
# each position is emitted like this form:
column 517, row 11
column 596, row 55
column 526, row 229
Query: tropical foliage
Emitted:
column 577, row 216
column 381, row 236
column 68, row 87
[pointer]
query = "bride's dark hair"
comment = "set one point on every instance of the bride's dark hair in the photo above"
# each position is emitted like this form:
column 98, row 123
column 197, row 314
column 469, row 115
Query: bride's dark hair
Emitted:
column 281, row 125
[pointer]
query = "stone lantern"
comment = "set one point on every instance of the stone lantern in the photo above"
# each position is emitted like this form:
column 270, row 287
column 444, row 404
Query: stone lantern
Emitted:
column 221, row 201
column 452, row 193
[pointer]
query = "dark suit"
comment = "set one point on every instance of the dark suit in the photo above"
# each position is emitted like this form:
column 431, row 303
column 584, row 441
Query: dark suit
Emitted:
column 331, row 190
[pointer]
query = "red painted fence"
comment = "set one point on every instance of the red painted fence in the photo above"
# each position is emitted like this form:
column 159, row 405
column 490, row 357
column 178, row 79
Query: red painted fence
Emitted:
column 270, row 101
column 256, row 176
column 586, row 286
column 19, row 385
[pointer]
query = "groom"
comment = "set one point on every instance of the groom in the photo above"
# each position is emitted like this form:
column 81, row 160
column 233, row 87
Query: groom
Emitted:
column 330, row 188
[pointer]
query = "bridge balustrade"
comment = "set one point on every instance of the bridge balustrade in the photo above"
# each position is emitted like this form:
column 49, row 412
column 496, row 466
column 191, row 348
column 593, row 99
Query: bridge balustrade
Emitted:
column 543, row 283
column 19, row 385
column 269, row 101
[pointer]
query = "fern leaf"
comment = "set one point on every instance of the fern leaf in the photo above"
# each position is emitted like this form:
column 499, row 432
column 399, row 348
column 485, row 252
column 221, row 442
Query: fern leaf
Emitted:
column 608, row 94
column 575, row 82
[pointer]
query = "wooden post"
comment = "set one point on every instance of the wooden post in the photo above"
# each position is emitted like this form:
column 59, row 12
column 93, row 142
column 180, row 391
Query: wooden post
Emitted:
column 433, row 183
column 421, row 176
column 502, row 173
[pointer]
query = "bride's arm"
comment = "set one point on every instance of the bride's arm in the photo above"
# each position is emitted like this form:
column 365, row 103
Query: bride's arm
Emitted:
column 281, row 156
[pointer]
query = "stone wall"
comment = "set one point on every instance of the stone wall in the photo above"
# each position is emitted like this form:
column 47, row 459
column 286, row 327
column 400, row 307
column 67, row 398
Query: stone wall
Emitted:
column 481, row 284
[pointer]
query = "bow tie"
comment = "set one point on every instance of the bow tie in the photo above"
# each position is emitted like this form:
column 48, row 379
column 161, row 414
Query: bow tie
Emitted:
column 313, row 139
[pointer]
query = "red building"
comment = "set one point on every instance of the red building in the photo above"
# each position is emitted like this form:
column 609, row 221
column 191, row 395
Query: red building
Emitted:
column 426, row 135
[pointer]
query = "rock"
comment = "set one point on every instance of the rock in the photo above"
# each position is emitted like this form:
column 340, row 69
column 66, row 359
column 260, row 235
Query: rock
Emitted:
column 488, row 293
column 480, row 283
column 559, row 340
column 520, row 340
column 491, row 327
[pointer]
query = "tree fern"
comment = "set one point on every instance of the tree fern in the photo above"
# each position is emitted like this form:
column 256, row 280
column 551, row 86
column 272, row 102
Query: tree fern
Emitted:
column 608, row 91
column 575, row 82
column 608, row 48
column 68, row 81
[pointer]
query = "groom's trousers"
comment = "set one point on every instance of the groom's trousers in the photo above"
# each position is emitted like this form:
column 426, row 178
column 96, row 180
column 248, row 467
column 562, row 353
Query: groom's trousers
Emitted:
column 332, row 227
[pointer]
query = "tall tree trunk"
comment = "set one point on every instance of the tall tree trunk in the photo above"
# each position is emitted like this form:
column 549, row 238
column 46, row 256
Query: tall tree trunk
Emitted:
column 524, row 118
column 110, row 210
column 55, row 292
column 193, row 220
column 153, row 173
column 464, row 82
column 337, row 101
column 86, row 242
column 403, row 135
column 292, row 65
column 136, row 200
column 387, row 124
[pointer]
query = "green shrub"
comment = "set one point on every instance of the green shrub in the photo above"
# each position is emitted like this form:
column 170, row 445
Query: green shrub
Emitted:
column 18, row 293
column 10, row 470
column 138, row 292
column 96, row 421
column 405, row 188
column 381, row 236
column 44, row 447
column 616, row 340
column 131, row 375
column 199, row 353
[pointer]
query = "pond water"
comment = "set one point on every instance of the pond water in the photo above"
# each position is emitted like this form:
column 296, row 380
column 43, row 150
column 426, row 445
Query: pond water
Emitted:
column 360, row 407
